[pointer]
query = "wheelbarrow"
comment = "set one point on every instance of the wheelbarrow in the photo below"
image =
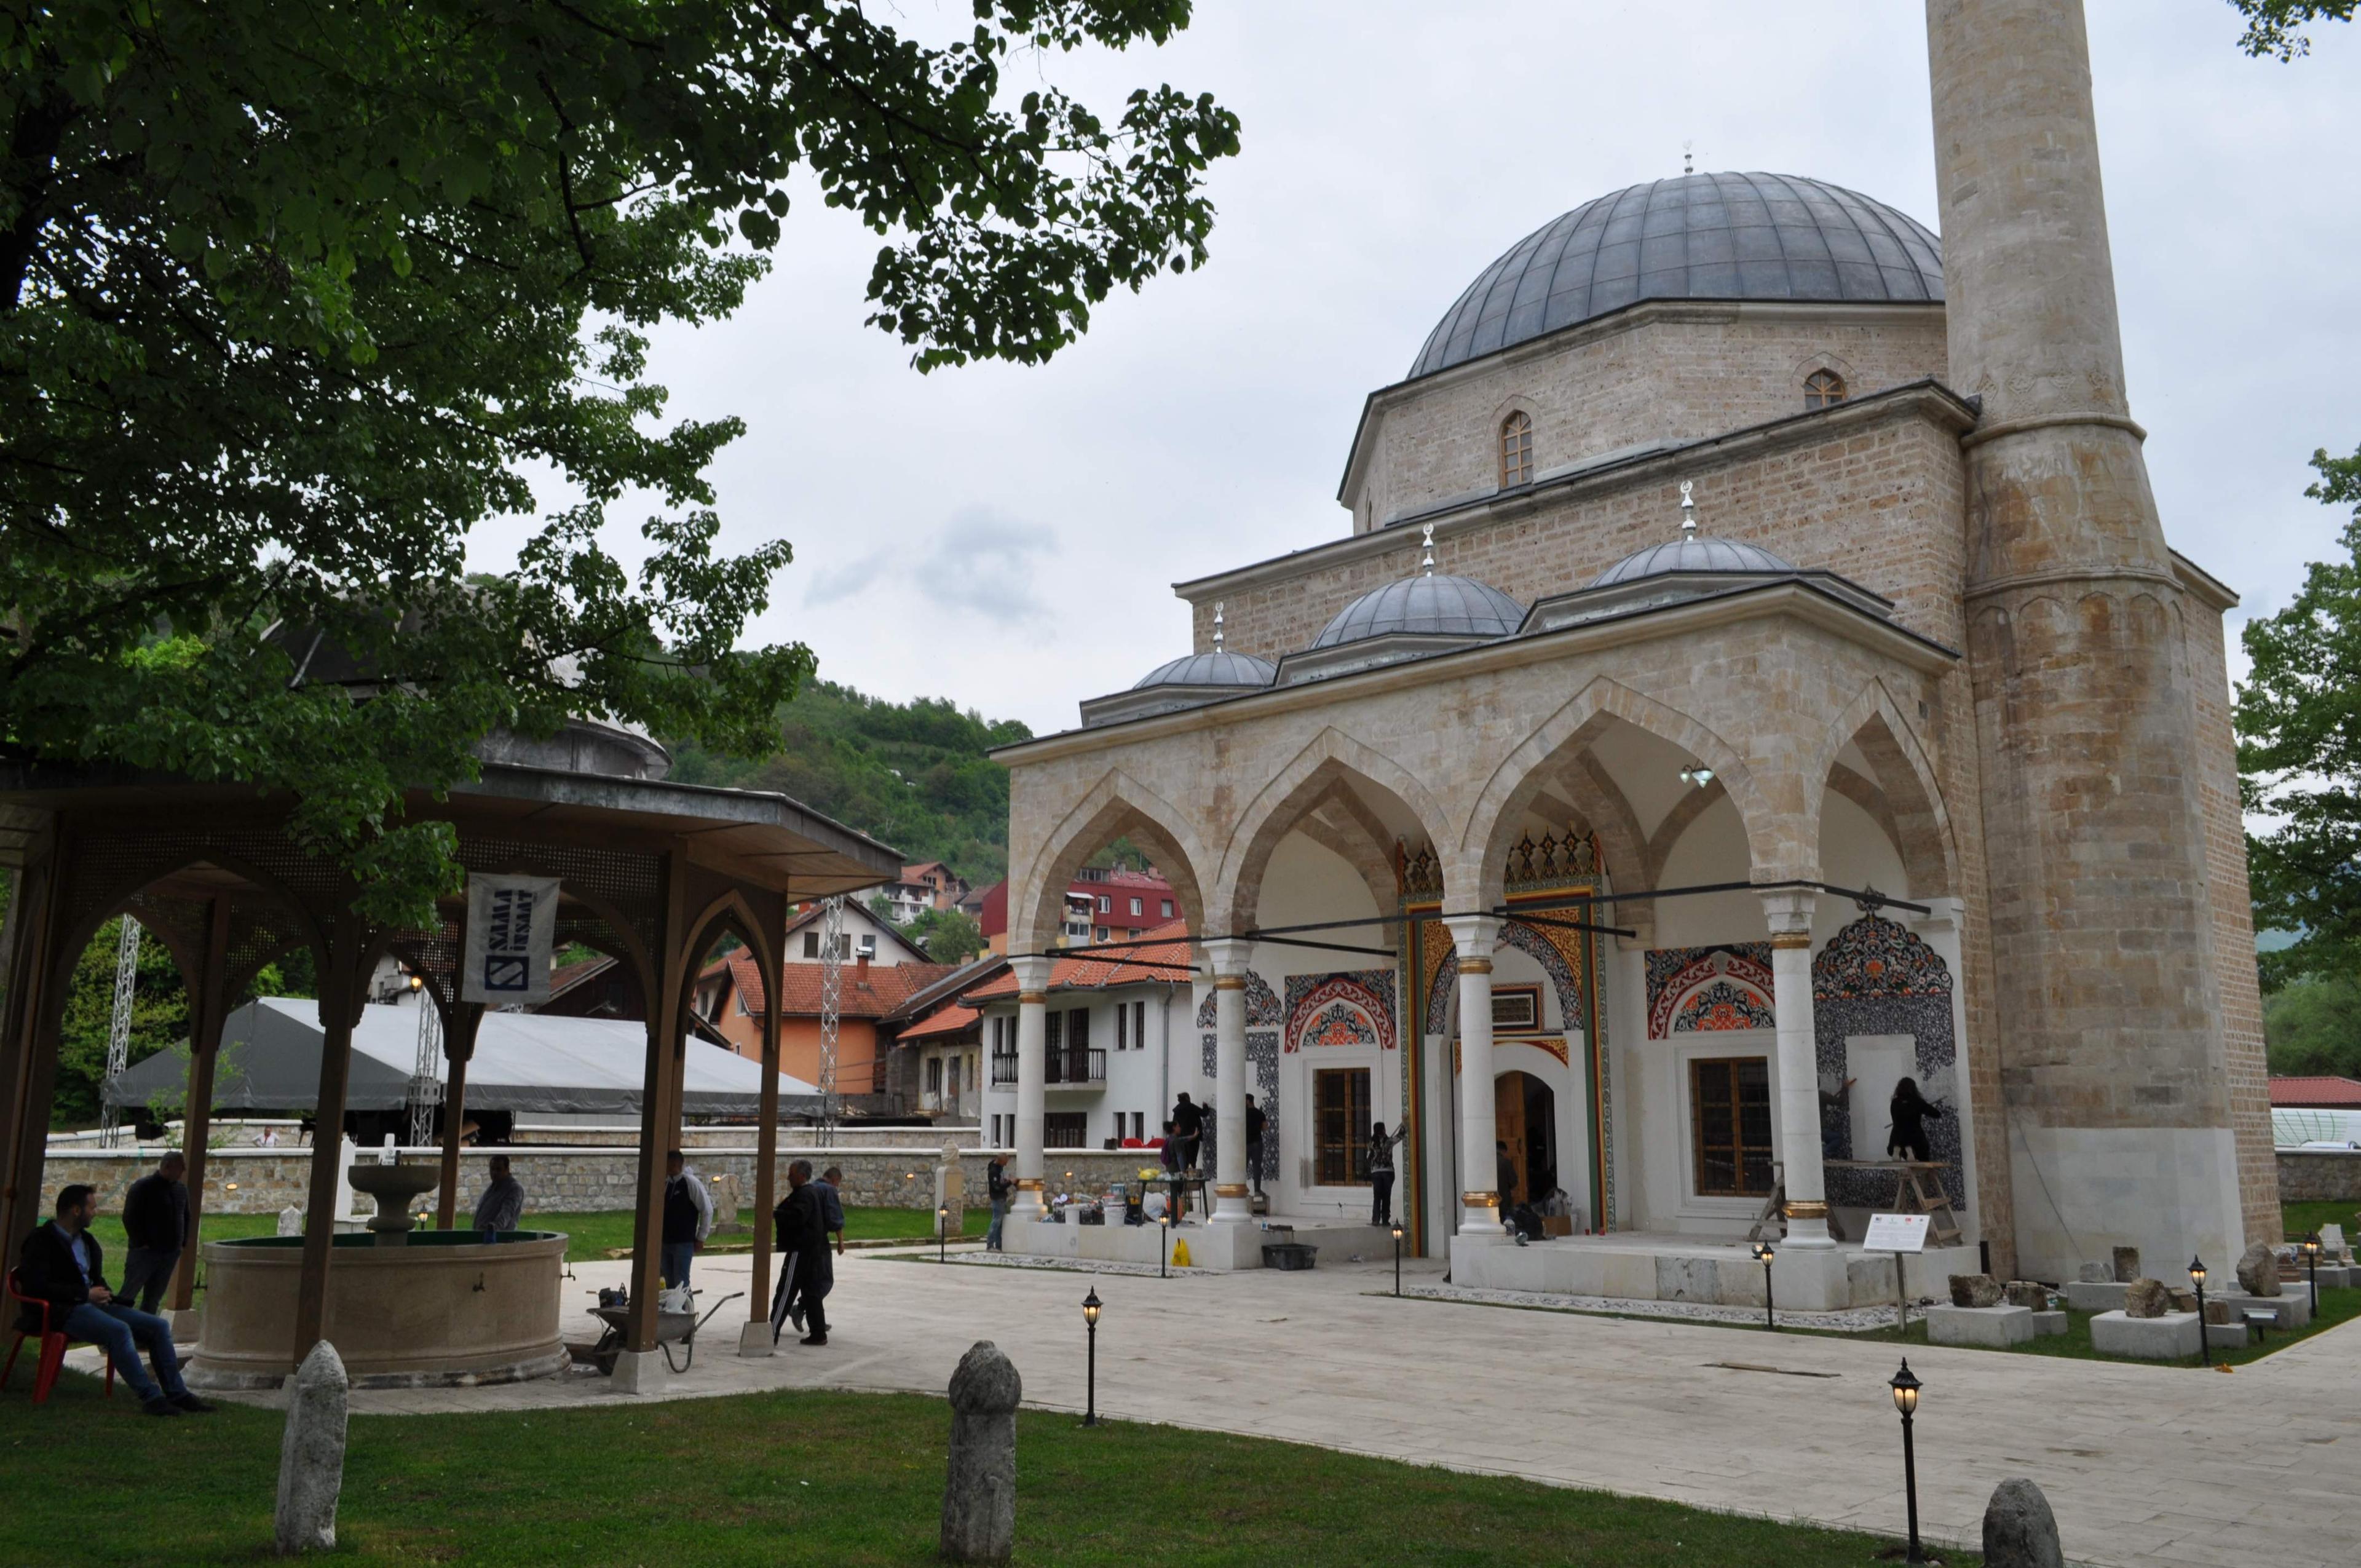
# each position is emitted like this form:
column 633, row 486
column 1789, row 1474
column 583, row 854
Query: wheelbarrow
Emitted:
column 671, row 1329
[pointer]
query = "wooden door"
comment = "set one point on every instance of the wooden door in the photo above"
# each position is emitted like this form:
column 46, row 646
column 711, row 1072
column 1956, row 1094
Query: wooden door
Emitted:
column 1509, row 1126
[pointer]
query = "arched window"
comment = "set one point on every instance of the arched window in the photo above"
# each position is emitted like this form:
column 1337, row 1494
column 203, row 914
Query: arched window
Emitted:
column 1822, row 388
column 1516, row 450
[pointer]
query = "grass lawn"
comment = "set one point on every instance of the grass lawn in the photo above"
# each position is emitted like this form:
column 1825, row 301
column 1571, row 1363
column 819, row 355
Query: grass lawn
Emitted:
column 810, row 1478
column 2300, row 1220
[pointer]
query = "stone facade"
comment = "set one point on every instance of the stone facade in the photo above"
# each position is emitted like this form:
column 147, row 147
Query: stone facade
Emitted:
column 2318, row 1176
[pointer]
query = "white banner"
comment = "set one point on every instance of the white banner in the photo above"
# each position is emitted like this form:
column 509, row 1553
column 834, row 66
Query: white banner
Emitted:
column 511, row 931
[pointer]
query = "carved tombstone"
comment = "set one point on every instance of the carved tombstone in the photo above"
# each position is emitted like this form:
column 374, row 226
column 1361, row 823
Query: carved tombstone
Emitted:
column 979, row 1495
column 950, row 1189
column 311, row 1453
column 723, row 1190
column 2126, row 1265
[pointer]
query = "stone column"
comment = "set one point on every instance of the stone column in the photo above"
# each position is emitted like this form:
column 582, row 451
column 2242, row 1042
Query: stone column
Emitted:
column 1229, row 960
column 1790, row 918
column 1032, row 1077
column 1480, row 1168
column 2093, row 827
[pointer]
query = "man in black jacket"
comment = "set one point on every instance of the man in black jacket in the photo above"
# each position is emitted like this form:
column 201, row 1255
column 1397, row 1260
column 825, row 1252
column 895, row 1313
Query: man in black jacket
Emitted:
column 156, row 1219
column 805, row 1273
column 62, row 1264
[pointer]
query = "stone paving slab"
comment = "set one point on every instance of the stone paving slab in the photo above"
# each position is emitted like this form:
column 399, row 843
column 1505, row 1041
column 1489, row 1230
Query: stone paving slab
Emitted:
column 2144, row 1464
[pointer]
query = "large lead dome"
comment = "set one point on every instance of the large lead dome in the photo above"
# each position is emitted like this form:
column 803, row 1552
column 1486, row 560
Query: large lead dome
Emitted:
column 1696, row 237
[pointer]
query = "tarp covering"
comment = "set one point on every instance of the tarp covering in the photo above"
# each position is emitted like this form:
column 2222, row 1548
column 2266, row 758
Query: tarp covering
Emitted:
column 524, row 1062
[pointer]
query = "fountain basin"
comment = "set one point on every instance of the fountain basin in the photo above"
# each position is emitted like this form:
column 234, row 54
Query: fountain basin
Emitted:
column 446, row 1308
column 393, row 1186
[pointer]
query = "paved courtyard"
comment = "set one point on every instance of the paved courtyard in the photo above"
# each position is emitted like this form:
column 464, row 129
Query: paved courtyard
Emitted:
column 2142, row 1465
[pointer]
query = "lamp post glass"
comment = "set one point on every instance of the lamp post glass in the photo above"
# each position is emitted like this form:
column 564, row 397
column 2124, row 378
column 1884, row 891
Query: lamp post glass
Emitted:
column 1091, row 1305
column 1906, row 1387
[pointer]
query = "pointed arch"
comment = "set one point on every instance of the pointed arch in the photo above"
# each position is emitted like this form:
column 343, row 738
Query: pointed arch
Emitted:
column 730, row 912
column 1117, row 805
column 1331, row 761
column 1539, row 762
column 1920, row 826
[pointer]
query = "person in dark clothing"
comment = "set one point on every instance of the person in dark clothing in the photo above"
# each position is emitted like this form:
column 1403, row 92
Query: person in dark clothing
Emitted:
column 805, row 1274
column 1380, row 1165
column 1907, row 1137
column 62, row 1264
column 1504, row 1171
column 156, row 1221
column 1174, row 1165
column 998, row 1189
column 688, row 1219
column 1254, row 1143
column 1188, row 1125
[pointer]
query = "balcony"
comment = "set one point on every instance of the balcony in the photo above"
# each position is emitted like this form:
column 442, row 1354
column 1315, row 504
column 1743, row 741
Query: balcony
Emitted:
column 1069, row 1069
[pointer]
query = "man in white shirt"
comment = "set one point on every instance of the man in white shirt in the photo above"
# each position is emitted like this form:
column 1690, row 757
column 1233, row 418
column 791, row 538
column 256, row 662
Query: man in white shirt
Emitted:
column 688, row 1219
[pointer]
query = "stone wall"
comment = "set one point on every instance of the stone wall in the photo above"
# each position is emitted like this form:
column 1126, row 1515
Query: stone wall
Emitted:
column 1662, row 370
column 2320, row 1176
column 572, row 1180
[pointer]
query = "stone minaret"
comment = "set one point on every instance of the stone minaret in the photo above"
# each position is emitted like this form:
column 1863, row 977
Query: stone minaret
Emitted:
column 2111, row 1050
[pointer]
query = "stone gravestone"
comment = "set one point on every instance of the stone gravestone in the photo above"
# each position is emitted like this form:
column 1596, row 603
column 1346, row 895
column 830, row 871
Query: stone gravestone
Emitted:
column 2258, row 1271
column 2019, row 1529
column 2097, row 1274
column 2126, row 1265
column 980, row 1495
column 2147, row 1298
column 2332, row 1240
column 1974, row 1291
column 311, row 1453
column 291, row 1221
column 950, row 1190
column 723, row 1190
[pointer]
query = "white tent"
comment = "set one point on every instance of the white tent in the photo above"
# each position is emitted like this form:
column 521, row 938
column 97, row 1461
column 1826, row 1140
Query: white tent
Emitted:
column 524, row 1062
column 2293, row 1128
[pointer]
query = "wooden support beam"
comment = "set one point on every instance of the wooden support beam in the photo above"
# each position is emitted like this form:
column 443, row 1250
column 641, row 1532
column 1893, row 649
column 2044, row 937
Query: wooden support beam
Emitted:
column 458, row 1050
column 659, row 1110
column 209, row 1011
column 339, row 983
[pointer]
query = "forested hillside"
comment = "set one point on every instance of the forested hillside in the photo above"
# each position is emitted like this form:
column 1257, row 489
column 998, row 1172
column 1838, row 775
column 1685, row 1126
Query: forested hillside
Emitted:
column 913, row 774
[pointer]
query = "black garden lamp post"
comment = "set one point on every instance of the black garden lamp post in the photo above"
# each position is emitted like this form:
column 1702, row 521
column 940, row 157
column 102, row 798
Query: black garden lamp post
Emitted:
column 943, row 1234
column 1905, row 1385
column 1765, row 1252
column 1163, row 1240
column 1398, row 1236
column 2311, row 1267
column 1090, row 1304
column 2197, row 1277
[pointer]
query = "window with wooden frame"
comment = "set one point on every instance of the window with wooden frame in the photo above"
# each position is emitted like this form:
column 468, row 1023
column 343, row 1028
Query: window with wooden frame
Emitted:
column 1822, row 388
column 1340, row 1111
column 1065, row 1130
column 1516, row 450
column 1729, row 1119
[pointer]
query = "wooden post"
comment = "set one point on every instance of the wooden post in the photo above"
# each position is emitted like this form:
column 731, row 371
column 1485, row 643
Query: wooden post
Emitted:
column 211, row 1011
column 338, row 982
column 458, row 1050
column 659, row 1117
column 25, row 1075
column 766, row 1159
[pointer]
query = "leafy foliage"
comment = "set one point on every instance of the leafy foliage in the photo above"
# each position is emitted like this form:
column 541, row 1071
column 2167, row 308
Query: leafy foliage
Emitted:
column 290, row 296
column 2314, row 1026
column 915, row 774
column 948, row 936
column 2274, row 26
column 160, row 1018
column 2298, row 720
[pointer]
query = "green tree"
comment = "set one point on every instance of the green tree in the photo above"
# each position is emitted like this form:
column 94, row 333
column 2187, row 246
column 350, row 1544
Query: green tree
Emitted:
column 2274, row 27
column 2314, row 1026
column 948, row 936
column 292, row 297
column 159, row 1019
column 2298, row 721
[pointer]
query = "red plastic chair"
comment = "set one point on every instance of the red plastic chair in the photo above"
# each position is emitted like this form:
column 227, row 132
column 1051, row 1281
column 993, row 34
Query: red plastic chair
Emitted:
column 52, row 1356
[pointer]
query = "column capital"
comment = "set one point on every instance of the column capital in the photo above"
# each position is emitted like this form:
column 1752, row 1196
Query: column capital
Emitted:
column 1788, row 911
column 1032, row 974
column 1473, row 936
column 1942, row 914
column 1229, row 956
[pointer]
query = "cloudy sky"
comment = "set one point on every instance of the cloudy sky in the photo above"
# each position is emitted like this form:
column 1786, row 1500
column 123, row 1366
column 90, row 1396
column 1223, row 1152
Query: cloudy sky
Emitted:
column 1007, row 537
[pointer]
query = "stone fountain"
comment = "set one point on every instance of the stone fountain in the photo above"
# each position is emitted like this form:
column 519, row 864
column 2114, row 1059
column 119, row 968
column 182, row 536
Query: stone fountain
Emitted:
column 393, row 1186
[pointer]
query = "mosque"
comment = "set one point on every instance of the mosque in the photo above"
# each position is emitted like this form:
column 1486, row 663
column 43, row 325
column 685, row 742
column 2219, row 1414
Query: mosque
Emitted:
column 1755, row 673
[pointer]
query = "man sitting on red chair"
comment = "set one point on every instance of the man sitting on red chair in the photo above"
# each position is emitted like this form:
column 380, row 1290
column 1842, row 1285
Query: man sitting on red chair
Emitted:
column 62, row 1264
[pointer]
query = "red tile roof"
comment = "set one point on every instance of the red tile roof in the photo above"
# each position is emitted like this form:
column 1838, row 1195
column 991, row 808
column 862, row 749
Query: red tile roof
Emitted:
column 952, row 1020
column 1130, row 966
column 865, row 990
column 2317, row 1093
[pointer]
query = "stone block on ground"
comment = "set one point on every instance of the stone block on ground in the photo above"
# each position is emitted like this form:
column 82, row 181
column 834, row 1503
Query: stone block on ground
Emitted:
column 2183, row 1301
column 2096, row 1274
column 2226, row 1336
column 1991, row 1328
column 2293, row 1310
column 1974, row 1291
column 2029, row 1293
column 311, row 1453
column 2096, row 1296
column 2168, row 1338
column 2147, row 1298
column 980, row 1492
column 2019, row 1529
column 2126, row 1265
column 2258, row 1271
column 2050, row 1322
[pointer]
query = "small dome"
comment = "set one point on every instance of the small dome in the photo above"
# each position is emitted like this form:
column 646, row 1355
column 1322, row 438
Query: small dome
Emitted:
column 1693, row 553
column 1694, row 237
column 1219, row 668
column 1431, row 606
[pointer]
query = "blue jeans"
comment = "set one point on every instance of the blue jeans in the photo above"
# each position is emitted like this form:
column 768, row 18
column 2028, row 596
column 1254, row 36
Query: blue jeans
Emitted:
column 120, row 1330
column 999, row 1215
column 674, row 1261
